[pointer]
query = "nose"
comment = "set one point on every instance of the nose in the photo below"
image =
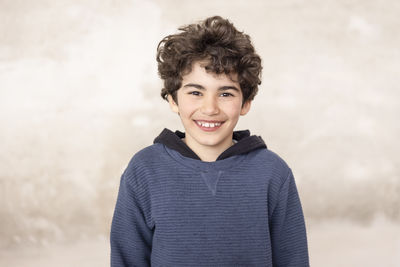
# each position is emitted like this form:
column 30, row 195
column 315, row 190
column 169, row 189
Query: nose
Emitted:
column 210, row 106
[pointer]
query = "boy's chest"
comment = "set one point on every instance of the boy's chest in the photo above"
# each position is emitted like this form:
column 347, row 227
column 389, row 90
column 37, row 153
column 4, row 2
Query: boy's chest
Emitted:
column 191, row 199
column 189, row 215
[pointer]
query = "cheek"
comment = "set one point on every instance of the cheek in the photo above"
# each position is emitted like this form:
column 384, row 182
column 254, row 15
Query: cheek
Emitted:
column 233, row 109
column 186, row 110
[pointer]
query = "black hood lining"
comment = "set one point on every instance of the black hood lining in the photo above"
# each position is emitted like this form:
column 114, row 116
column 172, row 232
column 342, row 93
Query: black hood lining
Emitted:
column 245, row 143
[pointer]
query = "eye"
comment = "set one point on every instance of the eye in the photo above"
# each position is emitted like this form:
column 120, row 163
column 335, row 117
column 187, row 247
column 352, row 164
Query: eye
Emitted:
column 226, row 94
column 196, row 93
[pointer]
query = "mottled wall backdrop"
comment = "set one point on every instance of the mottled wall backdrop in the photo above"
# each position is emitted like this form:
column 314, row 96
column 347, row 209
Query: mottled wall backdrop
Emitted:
column 79, row 95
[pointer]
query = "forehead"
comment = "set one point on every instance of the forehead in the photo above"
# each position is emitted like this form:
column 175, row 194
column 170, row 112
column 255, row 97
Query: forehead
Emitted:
column 199, row 73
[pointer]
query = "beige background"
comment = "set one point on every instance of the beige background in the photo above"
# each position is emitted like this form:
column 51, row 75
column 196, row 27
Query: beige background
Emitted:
column 79, row 95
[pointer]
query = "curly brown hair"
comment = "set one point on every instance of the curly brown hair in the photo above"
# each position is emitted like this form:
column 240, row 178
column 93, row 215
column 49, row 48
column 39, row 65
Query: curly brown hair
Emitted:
column 217, row 42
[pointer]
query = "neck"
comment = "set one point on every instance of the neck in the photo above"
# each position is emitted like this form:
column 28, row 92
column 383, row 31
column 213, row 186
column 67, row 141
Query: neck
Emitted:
column 208, row 153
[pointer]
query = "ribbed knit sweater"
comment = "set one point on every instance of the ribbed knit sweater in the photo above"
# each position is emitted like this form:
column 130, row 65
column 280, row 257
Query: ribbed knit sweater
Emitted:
column 175, row 211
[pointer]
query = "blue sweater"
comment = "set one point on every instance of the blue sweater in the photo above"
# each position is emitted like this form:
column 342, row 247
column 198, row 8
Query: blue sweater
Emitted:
column 173, row 211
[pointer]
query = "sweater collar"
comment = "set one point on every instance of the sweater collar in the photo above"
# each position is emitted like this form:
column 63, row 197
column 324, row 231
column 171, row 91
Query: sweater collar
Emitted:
column 245, row 143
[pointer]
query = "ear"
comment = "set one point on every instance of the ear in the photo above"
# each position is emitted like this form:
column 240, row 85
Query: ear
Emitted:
column 245, row 108
column 174, row 106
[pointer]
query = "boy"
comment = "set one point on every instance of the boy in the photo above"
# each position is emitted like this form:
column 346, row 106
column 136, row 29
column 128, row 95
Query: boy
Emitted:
column 210, row 196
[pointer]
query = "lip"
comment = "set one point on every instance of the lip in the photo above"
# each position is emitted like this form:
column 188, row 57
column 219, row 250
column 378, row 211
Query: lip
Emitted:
column 213, row 121
column 208, row 129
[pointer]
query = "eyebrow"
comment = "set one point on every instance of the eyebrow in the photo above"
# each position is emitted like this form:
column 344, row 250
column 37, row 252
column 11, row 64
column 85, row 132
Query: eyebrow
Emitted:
column 222, row 88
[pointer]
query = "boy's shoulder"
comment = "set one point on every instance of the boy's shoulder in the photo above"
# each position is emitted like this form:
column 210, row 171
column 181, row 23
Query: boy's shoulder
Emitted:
column 151, row 153
column 269, row 155
column 148, row 158
column 269, row 159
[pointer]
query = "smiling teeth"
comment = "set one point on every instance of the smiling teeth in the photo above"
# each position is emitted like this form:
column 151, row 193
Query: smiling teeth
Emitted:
column 208, row 124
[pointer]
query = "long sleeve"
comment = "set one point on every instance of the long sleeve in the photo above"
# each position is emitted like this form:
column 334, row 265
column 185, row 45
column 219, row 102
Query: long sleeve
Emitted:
column 131, row 237
column 287, row 228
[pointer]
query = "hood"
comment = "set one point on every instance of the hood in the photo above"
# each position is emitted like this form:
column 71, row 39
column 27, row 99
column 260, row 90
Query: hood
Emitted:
column 244, row 143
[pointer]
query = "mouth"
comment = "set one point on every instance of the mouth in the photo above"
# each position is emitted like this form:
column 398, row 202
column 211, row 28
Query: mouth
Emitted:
column 208, row 126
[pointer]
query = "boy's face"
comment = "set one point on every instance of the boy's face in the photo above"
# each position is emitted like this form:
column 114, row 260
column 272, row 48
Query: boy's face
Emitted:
column 209, row 106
